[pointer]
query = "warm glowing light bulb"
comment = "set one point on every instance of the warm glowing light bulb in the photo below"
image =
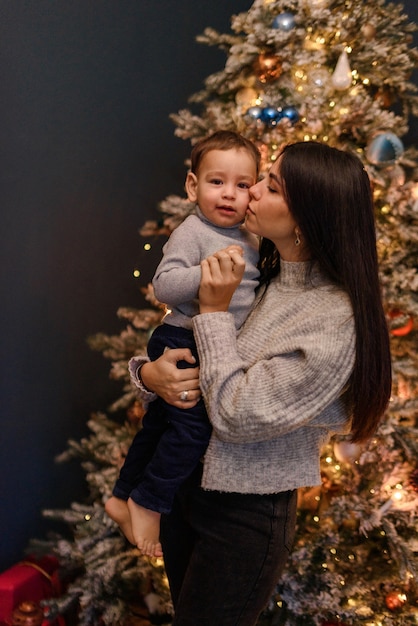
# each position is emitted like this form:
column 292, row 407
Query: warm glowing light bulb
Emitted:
column 147, row 246
column 137, row 273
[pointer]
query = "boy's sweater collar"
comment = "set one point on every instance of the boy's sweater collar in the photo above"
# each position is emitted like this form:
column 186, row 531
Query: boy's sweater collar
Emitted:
column 206, row 221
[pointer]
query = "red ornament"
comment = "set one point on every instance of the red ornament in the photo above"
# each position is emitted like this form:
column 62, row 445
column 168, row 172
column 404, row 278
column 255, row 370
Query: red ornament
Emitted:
column 395, row 600
column 397, row 316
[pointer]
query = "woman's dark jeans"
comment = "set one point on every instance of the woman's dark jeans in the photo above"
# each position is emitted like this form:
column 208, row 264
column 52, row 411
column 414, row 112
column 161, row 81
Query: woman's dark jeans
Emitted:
column 224, row 553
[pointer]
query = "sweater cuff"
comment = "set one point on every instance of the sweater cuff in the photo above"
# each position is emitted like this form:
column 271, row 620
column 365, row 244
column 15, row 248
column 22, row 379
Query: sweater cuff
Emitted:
column 134, row 365
column 215, row 335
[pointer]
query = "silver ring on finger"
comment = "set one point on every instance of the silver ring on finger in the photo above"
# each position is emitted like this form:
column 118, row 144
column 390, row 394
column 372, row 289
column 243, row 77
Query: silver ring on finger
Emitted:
column 184, row 395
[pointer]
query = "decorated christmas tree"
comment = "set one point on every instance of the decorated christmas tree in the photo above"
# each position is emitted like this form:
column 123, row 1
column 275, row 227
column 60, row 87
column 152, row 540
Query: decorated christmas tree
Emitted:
column 335, row 71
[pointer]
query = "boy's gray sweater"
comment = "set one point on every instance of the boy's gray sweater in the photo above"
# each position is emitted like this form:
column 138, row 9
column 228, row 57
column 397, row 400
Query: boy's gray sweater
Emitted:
column 177, row 278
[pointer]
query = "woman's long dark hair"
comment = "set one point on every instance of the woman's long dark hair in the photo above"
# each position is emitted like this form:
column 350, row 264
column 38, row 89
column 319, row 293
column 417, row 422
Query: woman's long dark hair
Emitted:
column 329, row 195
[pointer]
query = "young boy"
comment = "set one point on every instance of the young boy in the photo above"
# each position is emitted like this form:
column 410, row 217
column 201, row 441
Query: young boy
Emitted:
column 171, row 442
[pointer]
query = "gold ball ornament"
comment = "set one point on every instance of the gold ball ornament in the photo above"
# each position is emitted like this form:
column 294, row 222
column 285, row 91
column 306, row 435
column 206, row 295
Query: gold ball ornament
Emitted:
column 28, row 613
column 368, row 31
column 268, row 67
column 246, row 97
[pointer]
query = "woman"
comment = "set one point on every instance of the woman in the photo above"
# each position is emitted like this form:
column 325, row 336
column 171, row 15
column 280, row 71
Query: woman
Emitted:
column 311, row 360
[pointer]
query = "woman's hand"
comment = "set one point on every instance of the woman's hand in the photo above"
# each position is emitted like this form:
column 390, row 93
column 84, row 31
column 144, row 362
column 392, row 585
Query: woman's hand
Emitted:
column 179, row 387
column 222, row 272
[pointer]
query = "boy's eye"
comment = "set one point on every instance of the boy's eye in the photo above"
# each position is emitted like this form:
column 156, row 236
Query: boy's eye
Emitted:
column 216, row 181
column 244, row 185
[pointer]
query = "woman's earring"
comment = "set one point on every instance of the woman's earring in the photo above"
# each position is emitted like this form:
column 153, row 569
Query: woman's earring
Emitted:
column 297, row 240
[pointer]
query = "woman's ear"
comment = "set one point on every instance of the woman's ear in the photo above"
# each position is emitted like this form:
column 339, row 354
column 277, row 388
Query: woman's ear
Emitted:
column 191, row 186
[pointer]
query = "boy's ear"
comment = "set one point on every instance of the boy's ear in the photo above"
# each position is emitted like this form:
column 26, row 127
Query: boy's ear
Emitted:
column 191, row 186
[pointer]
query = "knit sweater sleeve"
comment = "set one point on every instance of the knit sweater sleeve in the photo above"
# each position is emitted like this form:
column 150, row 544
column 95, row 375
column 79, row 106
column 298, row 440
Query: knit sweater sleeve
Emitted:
column 177, row 277
column 285, row 370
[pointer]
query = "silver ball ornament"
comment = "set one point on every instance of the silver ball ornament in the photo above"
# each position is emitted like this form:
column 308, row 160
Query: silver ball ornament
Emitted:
column 252, row 114
column 284, row 21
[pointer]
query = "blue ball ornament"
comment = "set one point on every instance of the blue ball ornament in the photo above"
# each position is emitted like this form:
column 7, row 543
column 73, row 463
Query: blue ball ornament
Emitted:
column 284, row 21
column 384, row 149
column 253, row 114
column 291, row 113
column 270, row 115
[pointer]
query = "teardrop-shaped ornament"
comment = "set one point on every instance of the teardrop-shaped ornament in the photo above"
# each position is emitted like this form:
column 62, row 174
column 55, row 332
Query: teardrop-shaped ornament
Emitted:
column 341, row 78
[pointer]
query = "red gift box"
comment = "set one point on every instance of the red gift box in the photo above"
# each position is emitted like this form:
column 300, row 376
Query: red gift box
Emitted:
column 32, row 579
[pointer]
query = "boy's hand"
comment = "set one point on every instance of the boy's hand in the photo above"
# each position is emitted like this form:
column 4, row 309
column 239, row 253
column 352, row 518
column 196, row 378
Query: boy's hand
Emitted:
column 222, row 272
column 234, row 248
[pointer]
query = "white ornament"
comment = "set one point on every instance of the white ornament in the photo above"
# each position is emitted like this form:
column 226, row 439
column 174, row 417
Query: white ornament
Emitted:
column 346, row 451
column 342, row 78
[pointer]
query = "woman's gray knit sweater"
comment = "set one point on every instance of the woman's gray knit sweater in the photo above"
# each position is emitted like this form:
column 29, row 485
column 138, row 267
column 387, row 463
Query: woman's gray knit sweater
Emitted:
column 274, row 392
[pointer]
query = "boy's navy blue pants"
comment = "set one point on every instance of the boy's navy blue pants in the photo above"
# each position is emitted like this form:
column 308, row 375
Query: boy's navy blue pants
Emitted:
column 171, row 442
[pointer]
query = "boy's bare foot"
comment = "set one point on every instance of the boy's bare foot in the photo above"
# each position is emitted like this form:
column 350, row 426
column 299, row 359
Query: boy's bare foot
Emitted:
column 118, row 511
column 145, row 526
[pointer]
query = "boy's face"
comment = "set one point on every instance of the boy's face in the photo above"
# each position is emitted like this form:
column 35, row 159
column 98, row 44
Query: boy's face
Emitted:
column 221, row 185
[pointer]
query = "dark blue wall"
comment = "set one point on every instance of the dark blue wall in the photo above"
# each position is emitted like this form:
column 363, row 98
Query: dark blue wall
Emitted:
column 87, row 151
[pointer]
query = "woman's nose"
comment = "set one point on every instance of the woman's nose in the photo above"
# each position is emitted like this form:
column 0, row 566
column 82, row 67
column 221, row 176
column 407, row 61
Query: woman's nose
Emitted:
column 255, row 191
